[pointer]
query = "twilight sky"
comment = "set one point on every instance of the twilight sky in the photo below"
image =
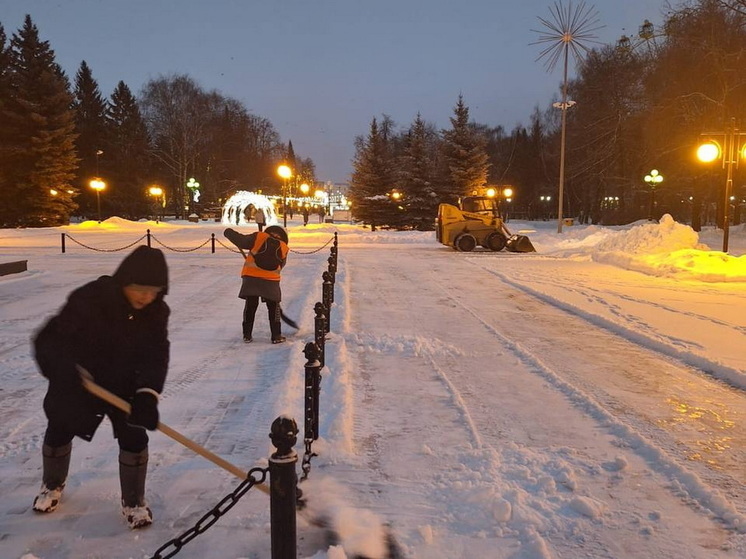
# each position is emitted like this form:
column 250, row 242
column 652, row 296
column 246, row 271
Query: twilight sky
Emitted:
column 320, row 70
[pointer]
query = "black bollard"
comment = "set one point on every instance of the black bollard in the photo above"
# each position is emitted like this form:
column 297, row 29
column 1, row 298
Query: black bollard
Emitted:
column 212, row 241
column 148, row 235
column 63, row 242
column 332, row 268
column 313, row 384
column 327, row 294
column 282, row 488
column 319, row 330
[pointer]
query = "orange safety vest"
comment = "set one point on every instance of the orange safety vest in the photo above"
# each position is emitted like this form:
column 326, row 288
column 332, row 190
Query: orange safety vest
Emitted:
column 251, row 269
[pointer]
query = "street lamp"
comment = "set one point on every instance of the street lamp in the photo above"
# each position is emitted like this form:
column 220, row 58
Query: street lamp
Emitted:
column 710, row 150
column 98, row 185
column 157, row 192
column 653, row 180
column 285, row 172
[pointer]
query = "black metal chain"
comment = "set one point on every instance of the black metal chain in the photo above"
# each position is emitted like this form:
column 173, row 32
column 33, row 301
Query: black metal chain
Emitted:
column 306, row 462
column 313, row 251
column 211, row 517
column 105, row 249
column 226, row 246
column 179, row 249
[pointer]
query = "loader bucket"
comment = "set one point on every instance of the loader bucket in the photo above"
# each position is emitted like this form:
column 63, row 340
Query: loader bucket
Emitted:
column 519, row 243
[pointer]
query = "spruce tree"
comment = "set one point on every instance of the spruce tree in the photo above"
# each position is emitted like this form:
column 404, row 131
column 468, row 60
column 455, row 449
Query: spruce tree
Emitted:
column 127, row 155
column 90, row 124
column 40, row 127
column 371, row 179
column 417, row 179
column 464, row 154
column 5, row 144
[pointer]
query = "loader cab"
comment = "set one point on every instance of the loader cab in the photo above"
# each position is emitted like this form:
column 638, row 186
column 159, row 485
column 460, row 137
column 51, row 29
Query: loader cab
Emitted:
column 480, row 204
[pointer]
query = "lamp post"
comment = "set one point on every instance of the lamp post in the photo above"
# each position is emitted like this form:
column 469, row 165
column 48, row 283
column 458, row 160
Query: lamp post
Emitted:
column 285, row 172
column 731, row 150
column 98, row 185
column 157, row 193
column 653, row 180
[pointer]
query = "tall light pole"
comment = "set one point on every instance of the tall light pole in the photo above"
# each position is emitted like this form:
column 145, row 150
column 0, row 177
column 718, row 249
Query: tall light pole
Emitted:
column 653, row 180
column 285, row 172
column 98, row 185
column 569, row 28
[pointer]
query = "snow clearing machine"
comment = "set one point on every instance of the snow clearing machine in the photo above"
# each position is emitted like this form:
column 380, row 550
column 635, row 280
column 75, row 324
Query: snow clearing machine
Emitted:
column 477, row 222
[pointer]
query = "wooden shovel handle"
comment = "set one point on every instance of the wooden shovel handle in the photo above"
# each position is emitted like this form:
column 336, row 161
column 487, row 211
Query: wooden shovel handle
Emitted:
column 118, row 402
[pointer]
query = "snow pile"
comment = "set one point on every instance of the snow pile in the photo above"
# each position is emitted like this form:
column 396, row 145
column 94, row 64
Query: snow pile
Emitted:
column 664, row 249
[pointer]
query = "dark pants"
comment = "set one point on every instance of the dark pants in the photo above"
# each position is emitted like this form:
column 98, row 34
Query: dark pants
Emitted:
column 130, row 439
column 249, row 312
column 260, row 226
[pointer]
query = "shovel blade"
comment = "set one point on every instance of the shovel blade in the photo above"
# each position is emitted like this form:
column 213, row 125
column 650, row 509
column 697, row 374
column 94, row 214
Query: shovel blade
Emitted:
column 519, row 243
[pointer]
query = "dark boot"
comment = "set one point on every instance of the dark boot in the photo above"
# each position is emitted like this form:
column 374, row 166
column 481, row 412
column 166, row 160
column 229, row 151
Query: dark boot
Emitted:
column 275, row 322
column 249, row 311
column 133, row 469
column 55, row 466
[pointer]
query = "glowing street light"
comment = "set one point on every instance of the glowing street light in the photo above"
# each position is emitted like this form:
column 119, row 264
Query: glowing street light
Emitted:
column 728, row 151
column 157, row 192
column 98, row 185
column 285, row 172
column 653, row 180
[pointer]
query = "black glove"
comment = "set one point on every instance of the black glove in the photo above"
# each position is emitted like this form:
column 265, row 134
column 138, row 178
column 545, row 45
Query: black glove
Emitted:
column 144, row 411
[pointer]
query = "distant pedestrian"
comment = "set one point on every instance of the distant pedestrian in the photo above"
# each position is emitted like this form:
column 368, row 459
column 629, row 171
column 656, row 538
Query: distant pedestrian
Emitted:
column 322, row 214
column 305, row 216
column 116, row 328
column 260, row 219
column 265, row 255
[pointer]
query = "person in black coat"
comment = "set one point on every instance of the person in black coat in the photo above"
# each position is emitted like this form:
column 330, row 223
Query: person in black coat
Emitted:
column 116, row 328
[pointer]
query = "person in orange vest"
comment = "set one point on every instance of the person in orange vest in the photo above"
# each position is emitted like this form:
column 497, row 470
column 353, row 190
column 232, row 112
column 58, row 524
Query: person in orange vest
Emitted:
column 265, row 255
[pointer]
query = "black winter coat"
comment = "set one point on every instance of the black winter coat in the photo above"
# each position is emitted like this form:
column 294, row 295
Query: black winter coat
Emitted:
column 124, row 349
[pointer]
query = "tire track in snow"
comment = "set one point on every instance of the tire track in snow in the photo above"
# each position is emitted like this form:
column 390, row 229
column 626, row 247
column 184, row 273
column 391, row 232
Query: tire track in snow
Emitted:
column 707, row 497
column 720, row 371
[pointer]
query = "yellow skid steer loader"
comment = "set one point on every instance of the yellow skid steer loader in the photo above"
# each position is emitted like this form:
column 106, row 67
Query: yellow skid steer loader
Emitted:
column 477, row 222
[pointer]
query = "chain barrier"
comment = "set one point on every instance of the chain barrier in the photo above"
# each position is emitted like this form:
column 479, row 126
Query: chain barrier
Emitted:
column 215, row 239
column 232, row 249
column 211, row 517
column 104, row 249
column 313, row 251
column 179, row 249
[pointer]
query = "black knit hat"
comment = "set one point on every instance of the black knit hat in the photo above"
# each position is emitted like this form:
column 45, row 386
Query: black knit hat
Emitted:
column 143, row 266
column 277, row 231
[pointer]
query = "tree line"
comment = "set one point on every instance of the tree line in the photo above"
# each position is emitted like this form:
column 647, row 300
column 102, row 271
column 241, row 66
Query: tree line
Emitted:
column 57, row 136
column 643, row 103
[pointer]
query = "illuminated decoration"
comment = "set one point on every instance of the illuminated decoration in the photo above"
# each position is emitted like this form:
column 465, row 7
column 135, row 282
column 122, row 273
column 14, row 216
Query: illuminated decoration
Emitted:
column 234, row 209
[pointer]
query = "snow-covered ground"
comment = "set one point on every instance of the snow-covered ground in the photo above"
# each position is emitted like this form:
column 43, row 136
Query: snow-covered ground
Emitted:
column 584, row 401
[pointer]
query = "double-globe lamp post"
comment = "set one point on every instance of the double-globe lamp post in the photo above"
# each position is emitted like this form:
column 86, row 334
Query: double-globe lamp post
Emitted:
column 653, row 180
column 730, row 147
column 285, row 172
column 98, row 185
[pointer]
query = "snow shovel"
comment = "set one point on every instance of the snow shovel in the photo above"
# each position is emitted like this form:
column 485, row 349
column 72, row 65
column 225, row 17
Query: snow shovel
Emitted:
column 285, row 318
column 121, row 404
column 392, row 547
column 518, row 243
